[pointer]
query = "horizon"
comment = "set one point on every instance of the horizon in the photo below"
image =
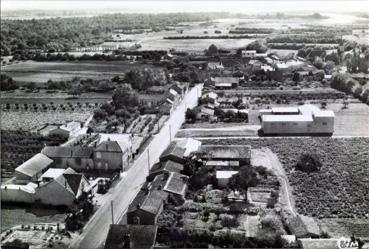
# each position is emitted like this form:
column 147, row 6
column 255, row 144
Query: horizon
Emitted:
column 250, row 7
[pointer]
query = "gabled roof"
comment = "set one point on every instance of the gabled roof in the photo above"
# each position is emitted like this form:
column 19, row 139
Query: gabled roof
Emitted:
column 85, row 152
column 140, row 236
column 153, row 201
column 57, row 151
column 218, row 80
column 34, row 165
column 109, row 146
column 74, row 181
column 173, row 149
column 52, row 173
column 219, row 152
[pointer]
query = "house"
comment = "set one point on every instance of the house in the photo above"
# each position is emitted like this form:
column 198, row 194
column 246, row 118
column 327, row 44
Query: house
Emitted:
column 111, row 155
column 306, row 120
column 146, row 207
column 316, row 52
column 161, row 167
column 248, row 53
column 222, row 165
column 176, row 186
column 190, row 145
column 215, row 66
column 33, row 168
column 211, row 96
column 131, row 236
column 303, row 227
column 225, row 82
column 69, row 129
column 174, row 153
column 223, row 177
column 60, row 187
column 239, row 153
column 77, row 158
column 206, row 112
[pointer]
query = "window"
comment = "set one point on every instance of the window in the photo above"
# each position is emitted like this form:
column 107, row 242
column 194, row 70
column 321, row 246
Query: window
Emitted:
column 98, row 154
column 324, row 123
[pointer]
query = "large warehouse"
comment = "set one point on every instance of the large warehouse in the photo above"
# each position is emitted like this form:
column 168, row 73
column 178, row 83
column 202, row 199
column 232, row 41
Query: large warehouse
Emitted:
column 303, row 120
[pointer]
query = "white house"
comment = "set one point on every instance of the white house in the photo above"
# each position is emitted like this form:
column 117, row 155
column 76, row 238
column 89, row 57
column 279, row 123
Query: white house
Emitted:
column 308, row 120
column 32, row 169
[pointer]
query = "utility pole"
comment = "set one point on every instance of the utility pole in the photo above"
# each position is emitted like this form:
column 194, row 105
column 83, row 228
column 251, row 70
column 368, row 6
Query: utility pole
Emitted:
column 148, row 160
column 170, row 133
column 112, row 213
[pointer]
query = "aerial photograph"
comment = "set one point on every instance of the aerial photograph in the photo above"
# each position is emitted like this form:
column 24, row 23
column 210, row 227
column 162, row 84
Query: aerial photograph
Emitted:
column 184, row 124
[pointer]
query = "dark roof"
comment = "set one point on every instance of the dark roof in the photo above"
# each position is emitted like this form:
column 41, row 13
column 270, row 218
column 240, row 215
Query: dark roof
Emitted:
column 57, row 151
column 149, row 201
column 303, row 226
column 73, row 180
column 169, row 166
column 316, row 52
column 173, row 149
column 218, row 152
column 34, row 165
column 82, row 151
column 109, row 146
column 140, row 236
column 176, row 88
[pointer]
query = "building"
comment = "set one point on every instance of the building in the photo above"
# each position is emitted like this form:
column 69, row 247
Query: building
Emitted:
column 225, row 82
column 176, row 186
column 221, row 153
column 223, row 177
column 146, row 207
column 60, row 187
column 131, row 236
column 77, row 158
column 33, row 168
column 307, row 120
column 111, row 155
column 206, row 112
column 174, row 153
column 69, row 129
column 162, row 167
column 215, row 66
column 248, row 53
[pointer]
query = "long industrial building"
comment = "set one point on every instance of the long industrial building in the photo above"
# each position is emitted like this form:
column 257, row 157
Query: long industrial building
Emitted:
column 302, row 120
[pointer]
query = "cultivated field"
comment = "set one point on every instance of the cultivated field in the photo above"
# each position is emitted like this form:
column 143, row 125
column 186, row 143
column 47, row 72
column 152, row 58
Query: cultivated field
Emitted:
column 41, row 72
column 31, row 121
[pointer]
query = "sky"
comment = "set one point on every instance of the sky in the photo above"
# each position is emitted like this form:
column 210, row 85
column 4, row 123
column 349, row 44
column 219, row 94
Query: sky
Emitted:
column 189, row 6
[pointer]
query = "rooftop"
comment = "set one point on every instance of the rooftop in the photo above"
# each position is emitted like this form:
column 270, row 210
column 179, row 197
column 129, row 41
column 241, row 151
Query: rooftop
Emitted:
column 221, row 152
column 225, row 80
column 189, row 144
column 34, row 165
column 57, row 151
column 287, row 118
column 176, row 184
column 52, row 173
column 225, row 174
column 285, row 110
column 174, row 149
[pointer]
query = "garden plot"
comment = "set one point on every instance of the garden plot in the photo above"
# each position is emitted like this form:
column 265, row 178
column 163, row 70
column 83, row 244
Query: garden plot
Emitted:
column 31, row 121
column 345, row 227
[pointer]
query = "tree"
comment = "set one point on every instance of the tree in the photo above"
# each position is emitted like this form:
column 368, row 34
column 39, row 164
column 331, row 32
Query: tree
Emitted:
column 212, row 50
column 318, row 62
column 333, row 57
column 124, row 97
column 296, row 77
column 245, row 178
column 328, row 67
column 190, row 115
column 357, row 92
column 7, row 83
column 258, row 45
column 31, row 86
column 309, row 162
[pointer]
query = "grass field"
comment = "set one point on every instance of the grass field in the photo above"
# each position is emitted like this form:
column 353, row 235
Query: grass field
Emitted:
column 41, row 72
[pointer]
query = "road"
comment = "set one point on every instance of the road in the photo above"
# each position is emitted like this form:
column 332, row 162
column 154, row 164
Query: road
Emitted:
column 95, row 231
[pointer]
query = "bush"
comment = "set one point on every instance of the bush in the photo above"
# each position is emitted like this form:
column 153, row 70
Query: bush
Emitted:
column 229, row 221
column 309, row 163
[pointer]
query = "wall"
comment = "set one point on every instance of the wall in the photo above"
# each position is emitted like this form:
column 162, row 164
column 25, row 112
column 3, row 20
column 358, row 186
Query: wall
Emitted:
column 146, row 218
column 108, row 160
column 54, row 194
column 16, row 195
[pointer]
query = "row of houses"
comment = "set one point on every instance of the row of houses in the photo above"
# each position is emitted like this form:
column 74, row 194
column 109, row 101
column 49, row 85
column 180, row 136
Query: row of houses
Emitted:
column 53, row 162
column 166, row 184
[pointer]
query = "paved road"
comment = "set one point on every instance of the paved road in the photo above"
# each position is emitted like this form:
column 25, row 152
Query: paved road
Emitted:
column 95, row 232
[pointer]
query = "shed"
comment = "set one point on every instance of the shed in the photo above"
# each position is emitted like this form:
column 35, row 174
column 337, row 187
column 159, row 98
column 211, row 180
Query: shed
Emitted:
column 33, row 168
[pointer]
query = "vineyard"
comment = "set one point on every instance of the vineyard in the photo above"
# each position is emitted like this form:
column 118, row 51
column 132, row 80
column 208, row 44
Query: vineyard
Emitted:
column 339, row 189
column 18, row 146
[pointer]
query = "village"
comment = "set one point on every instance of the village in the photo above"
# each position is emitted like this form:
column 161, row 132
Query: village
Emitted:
column 223, row 147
